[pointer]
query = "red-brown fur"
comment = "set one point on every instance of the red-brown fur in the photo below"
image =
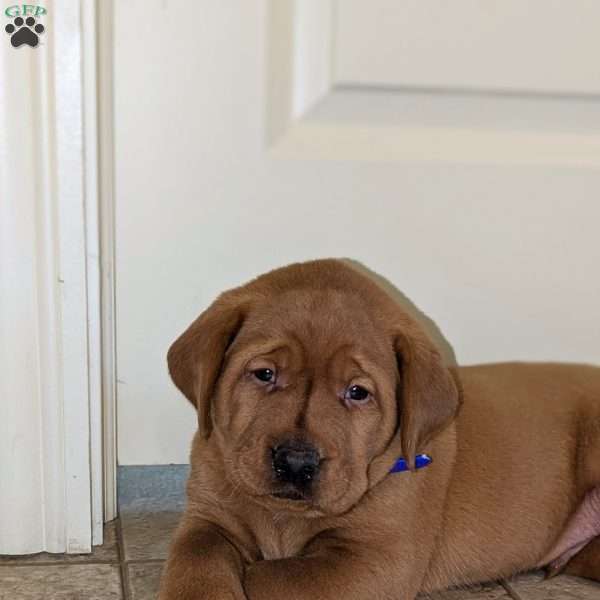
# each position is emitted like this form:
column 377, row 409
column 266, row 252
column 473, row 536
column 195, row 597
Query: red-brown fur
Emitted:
column 515, row 448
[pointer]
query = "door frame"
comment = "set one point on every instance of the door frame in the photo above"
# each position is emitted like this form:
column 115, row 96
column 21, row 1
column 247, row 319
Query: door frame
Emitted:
column 58, row 282
column 101, row 88
column 98, row 164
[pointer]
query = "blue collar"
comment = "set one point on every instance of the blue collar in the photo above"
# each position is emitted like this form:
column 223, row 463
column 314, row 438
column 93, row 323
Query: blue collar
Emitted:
column 421, row 460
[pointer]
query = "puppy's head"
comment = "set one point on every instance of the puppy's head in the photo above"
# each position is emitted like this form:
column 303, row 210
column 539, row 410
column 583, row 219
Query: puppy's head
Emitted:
column 305, row 378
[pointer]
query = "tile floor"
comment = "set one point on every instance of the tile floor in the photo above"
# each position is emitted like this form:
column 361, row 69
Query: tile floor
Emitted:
column 128, row 566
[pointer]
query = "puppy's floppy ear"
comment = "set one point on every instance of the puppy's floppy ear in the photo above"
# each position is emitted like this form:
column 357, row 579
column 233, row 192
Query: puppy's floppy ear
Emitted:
column 428, row 395
column 196, row 357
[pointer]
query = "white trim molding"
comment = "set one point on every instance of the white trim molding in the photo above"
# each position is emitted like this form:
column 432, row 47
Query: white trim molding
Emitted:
column 104, row 83
column 50, row 317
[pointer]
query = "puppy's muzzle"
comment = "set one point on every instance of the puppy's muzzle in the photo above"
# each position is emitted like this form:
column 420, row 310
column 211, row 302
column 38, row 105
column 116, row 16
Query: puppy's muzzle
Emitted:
column 296, row 463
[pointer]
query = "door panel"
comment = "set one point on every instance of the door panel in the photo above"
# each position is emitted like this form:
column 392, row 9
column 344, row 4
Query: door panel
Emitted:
column 536, row 46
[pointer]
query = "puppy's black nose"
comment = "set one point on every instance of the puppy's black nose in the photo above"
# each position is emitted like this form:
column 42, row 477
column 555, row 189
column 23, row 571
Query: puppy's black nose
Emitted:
column 296, row 462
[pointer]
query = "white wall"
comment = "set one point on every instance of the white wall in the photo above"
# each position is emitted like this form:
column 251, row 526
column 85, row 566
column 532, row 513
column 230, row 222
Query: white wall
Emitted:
column 502, row 254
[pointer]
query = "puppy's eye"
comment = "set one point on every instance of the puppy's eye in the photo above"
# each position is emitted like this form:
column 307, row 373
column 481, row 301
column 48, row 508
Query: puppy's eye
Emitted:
column 264, row 375
column 358, row 394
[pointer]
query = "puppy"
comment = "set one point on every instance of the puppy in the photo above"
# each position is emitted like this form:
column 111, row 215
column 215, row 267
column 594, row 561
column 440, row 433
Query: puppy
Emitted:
column 310, row 383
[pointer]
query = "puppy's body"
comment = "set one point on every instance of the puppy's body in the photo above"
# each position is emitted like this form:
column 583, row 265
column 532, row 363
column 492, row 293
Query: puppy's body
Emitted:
column 509, row 471
column 528, row 449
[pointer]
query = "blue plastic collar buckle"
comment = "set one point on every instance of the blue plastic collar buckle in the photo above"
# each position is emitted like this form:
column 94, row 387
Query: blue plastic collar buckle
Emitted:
column 421, row 460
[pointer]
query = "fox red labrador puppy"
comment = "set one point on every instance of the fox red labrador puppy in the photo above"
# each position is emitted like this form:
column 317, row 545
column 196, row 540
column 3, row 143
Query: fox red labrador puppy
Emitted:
column 338, row 457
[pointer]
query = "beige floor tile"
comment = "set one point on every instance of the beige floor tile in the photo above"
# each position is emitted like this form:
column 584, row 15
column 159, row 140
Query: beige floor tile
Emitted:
column 485, row 591
column 563, row 587
column 60, row 582
column 108, row 552
column 143, row 580
column 147, row 535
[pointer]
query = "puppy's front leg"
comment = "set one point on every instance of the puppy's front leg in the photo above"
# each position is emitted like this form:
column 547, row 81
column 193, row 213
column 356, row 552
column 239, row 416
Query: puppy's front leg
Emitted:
column 203, row 564
column 356, row 574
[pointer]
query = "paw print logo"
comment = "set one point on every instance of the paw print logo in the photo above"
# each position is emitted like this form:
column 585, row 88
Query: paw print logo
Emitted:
column 24, row 31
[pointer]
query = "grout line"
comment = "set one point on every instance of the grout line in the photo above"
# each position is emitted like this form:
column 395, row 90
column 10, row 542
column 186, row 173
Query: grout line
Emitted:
column 57, row 563
column 125, row 582
column 144, row 561
column 510, row 590
column 122, row 564
column 63, row 563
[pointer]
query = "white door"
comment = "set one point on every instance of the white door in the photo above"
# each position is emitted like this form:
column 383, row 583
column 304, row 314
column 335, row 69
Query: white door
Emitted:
column 454, row 148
